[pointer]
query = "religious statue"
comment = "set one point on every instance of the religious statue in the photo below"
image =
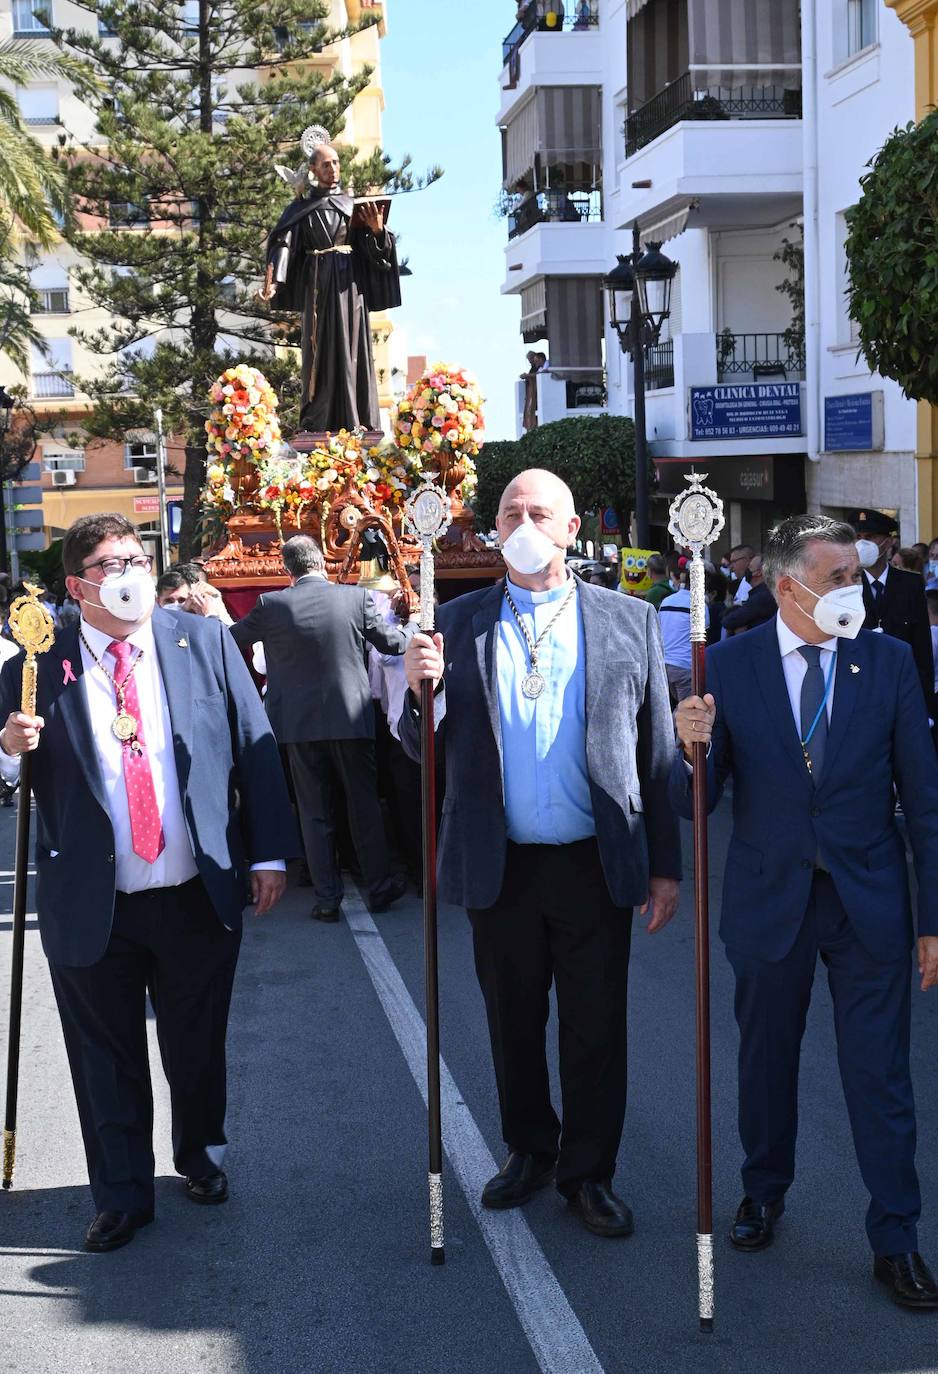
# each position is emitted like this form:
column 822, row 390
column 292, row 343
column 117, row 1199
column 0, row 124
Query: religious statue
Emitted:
column 331, row 259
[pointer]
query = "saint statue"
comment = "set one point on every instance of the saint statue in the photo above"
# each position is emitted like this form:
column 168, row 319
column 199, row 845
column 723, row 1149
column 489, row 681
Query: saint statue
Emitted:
column 332, row 260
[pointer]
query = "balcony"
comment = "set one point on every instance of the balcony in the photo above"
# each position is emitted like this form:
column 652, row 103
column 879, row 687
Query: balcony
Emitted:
column 758, row 357
column 576, row 16
column 659, row 366
column 45, row 385
column 576, row 204
column 572, row 391
column 683, row 101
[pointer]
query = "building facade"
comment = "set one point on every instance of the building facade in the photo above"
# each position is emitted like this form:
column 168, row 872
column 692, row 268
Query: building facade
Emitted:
column 735, row 135
column 80, row 478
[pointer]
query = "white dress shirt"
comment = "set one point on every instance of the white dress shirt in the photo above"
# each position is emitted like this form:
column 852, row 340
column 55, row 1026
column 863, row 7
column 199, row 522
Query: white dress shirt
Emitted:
column 795, row 667
column 176, row 864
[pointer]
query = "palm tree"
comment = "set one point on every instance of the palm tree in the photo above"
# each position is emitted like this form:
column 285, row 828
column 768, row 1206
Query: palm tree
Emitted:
column 32, row 185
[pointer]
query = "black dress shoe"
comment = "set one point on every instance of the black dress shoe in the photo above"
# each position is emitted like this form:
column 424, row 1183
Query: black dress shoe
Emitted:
column 111, row 1230
column 326, row 913
column 754, row 1226
column 392, row 890
column 910, row 1279
column 601, row 1211
column 519, row 1177
column 211, row 1189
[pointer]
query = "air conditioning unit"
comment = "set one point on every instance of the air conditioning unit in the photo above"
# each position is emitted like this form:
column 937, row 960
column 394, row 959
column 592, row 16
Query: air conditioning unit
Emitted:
column 144, row 475
column 63, row 479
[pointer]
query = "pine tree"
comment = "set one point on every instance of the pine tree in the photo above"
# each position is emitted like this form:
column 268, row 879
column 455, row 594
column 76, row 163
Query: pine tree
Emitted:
column 173, row 197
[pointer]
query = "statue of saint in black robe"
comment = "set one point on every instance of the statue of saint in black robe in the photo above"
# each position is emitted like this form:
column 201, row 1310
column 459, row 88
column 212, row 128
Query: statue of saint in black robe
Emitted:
column 333, row 275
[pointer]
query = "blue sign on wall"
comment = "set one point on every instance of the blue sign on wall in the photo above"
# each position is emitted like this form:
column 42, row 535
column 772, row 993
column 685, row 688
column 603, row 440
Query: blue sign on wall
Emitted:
column 853, row 423
column 751, row 410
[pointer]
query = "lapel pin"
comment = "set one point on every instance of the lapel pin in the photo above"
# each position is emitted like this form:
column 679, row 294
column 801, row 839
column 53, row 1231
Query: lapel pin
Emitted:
column 69, row 674
column 854, row 667
column 183, row 643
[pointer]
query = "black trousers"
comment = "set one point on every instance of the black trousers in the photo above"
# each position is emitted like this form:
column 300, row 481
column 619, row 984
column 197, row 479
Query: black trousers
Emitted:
column 872, row 1011
column 319, row 767
column 170, row 941
column 555, row 921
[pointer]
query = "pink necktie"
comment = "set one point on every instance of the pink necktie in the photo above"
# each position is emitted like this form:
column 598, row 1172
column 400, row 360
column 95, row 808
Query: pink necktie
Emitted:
column 146, row 828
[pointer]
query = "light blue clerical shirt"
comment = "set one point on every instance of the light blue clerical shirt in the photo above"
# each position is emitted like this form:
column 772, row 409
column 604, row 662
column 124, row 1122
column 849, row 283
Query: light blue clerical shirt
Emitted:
column 547, row 796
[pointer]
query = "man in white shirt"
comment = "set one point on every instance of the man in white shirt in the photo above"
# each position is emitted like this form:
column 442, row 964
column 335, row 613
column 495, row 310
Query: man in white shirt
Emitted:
column 160, row 804
column 674, row 613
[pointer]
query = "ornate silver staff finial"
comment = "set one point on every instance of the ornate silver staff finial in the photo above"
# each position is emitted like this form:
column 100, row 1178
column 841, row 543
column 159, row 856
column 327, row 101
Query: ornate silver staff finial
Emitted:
column 427, row 512
column 696, row 518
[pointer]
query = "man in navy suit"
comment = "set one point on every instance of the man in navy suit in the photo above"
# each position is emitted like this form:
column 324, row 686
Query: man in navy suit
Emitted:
column 827, row 720
column 161, row 810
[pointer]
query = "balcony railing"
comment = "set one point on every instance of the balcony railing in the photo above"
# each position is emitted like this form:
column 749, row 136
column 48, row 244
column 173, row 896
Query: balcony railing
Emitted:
column 588, row 393
column 573, row 16
column 573, row 205
column 758, row 357
column 659, row 365
column 681, row 101
column 45, row 384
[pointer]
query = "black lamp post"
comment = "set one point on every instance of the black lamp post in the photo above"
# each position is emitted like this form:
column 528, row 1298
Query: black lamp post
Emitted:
column 639, row 288
column 6, row 412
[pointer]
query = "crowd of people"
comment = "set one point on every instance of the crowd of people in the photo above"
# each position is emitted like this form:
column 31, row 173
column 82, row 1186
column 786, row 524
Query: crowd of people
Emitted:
column 168, row 796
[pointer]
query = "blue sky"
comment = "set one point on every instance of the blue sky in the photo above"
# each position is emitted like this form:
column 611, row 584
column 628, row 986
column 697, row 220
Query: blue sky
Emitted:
column 441, row 62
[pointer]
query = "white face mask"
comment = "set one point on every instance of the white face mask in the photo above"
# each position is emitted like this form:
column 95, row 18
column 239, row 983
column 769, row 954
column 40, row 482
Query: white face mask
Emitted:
column 128, row 596
column 840, row 612
column 867, row 552
column 528, row 550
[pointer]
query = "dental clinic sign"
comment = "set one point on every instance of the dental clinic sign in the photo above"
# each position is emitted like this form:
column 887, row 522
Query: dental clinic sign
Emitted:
column 751, row 410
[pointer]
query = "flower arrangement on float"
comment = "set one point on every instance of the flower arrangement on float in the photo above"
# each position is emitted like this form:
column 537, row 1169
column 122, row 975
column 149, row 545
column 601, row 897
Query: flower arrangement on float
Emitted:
column 242, row 429
column 440, row 426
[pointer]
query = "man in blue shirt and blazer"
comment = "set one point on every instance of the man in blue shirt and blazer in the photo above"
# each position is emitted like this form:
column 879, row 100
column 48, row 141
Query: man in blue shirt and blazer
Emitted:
column 554, row 715
column 161, row 811
column 825, row 720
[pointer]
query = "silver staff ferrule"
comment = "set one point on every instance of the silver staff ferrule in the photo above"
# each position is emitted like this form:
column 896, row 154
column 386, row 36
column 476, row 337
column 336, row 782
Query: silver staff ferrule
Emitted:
column 705, row 1279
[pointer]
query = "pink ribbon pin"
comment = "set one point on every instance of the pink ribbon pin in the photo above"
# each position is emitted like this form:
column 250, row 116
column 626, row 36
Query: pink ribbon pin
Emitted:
column 69, row 675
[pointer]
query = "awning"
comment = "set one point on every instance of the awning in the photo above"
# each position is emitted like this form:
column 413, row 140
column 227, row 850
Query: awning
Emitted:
column 735, row 43
column 633, row 6
column 561, row 125
column 534, row 311
column 659, row 231
column 575, row 325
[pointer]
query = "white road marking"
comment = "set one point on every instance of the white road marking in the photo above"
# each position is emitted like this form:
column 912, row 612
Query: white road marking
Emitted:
column 558, row 1340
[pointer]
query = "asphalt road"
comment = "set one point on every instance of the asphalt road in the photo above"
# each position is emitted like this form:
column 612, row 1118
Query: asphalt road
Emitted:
column 319, row 1263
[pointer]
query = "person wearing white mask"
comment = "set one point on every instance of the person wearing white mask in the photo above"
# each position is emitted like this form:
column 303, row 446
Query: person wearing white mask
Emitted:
column 826, row 720
column 554, row 711
column 161, row 811
column 894, row 598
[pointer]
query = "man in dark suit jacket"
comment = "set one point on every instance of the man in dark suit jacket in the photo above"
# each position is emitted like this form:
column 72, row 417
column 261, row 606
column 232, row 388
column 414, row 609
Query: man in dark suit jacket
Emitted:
column 161, row 810
column 817, row 728
column 893, row 598
column 558, row 741
column 315, row 636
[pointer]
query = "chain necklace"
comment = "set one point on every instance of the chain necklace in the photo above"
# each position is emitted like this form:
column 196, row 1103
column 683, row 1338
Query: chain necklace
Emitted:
column 533, row 684
column 124, row 725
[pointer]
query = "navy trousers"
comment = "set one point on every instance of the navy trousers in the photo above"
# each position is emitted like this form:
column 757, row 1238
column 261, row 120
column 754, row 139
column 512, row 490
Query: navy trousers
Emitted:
column 872, row 1007
column 169, row 941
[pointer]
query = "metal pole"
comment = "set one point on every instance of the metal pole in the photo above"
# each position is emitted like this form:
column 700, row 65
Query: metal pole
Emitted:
column 9, row 520
column 161, row 489
column 637, row 334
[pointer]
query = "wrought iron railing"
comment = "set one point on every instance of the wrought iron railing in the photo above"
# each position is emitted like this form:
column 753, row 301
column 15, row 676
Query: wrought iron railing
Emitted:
column 573, row 205
column 46, row 384
column 681, row 101
column 573, row 17
column 588, row 393
column 659, row 365
column 758, row 356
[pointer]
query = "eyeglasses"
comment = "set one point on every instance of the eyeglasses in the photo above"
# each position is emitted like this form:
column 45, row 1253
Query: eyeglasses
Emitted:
column 116, row 567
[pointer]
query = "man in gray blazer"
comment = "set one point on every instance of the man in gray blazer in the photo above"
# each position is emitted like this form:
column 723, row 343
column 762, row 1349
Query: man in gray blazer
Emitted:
column 552, row 702
column 315, row 636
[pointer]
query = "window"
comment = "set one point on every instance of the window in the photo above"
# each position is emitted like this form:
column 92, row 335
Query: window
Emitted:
column 855, row 27
column 63, row 460
column 126, row 213
column 140, row 453
column 50, row 376
column 52, row 300
column 190, row 16
column 847, row 329
column 32, row 18
column 38, row 104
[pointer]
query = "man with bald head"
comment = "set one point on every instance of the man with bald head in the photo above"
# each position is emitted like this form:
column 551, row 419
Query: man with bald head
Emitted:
column 552, row 702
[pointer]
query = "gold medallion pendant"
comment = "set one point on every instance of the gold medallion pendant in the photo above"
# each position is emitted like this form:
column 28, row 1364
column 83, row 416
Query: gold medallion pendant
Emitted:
column 124, row 726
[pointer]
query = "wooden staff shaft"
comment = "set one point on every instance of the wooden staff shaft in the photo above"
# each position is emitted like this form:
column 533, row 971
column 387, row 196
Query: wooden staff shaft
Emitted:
column 431, row 967
column 20, row 880
column 702, row 943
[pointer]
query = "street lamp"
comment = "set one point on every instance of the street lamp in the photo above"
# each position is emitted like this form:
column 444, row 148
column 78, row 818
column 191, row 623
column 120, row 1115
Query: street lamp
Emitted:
column 639, row 290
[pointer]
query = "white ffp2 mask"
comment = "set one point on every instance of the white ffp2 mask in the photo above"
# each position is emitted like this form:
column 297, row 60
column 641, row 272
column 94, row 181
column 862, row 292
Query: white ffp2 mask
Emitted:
column 840, row 612
column 528, row 550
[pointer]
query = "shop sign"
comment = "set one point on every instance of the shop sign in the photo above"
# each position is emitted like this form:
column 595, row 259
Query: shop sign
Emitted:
column 854, row 423
column 750, row 410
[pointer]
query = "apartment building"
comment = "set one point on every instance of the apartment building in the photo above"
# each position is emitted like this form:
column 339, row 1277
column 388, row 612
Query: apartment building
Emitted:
column 735, row 134
column 100, row 475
